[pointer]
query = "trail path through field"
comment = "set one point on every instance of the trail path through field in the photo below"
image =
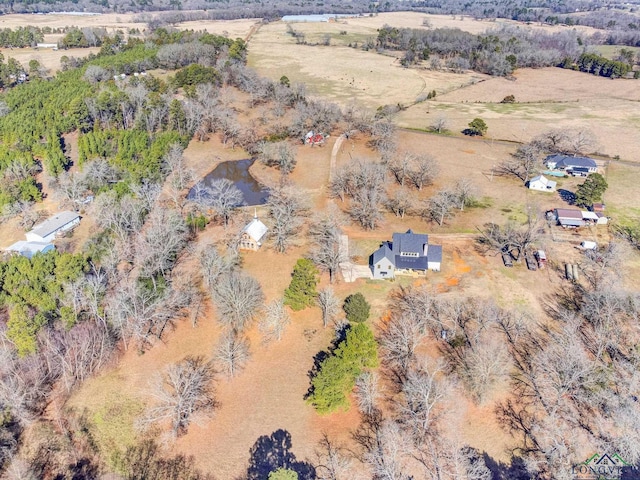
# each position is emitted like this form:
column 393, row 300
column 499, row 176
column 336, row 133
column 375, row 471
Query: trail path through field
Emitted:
column 334, row 156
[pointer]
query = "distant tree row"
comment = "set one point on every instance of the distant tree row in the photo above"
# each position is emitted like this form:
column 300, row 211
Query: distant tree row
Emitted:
column 497, row 52
column 602, row 66
column 20, row 37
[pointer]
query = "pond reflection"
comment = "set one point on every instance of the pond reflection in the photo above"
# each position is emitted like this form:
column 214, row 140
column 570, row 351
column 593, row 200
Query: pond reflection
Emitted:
column 253, row 192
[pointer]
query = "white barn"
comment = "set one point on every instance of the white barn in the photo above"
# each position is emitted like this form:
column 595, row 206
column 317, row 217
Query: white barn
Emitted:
column 542, row 184
column 46, row 231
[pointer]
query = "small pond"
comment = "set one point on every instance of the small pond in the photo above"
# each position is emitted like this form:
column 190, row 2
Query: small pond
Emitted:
column 238, row 172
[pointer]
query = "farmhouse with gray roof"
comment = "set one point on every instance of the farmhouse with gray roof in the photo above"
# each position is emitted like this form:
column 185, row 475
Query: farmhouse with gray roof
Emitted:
column 567, row 162
column 407, row 253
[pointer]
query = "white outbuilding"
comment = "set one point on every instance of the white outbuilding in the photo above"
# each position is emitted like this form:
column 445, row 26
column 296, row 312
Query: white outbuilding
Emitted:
column 542, row 184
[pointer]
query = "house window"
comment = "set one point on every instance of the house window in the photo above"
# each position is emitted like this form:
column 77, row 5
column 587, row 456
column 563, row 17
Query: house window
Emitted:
column 378, row 266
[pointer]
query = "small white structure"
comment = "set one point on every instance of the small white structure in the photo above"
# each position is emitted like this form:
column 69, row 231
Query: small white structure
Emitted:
column 588, row 245
column 29, row 249
column 50, row 228
column 252, row 234
column 542, row 184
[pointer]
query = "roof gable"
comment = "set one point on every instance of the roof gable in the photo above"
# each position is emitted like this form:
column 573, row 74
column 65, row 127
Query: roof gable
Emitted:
column 255, row 229
column 409, row 242
column 383, row 252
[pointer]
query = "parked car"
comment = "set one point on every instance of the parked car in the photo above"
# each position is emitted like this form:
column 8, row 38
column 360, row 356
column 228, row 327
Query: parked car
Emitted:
column 506, row 259
column 531, row 262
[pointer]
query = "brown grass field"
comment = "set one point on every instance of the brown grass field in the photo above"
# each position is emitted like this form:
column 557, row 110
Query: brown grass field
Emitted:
column 269, row 394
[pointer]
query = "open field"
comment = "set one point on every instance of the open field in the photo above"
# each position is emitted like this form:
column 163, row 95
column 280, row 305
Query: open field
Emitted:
column 342, row 74
column 228, row 28
column 612, row 51
column 546, row 98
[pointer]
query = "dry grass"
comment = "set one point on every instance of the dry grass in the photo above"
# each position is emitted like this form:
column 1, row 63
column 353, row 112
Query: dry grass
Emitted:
column 344, row 74
column 547, row 98
column 228, row 28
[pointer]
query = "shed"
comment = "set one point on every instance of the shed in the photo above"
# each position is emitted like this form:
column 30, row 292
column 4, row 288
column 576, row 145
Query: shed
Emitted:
column 542, row 184
column 46, row 231
column 589, row 216
column 29, row 249
column 569, row 218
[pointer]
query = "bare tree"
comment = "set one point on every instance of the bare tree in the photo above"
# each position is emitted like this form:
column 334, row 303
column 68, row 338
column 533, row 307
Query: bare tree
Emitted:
column 465, row 192
column 214, row 265
column 522, row 163
column 365, row 206
column 158, row 246
column 223, row 196
column 440, row 206
column 400, row 202
column 423, row 171
column 399, row 166
column 440, row 124
column 400, row 337
column 329, row 305
column 275, row 320
column 334, row 461
column 80, row 352
column 238, row 298
column 567, row 141
column 280, row 155
column 72, row 188
column 184, row 391
column 232, row 352
column 286, row 207
column 179, row 175
column 144, row 314
column 340, row 185
column 383, row 138
column 389, row 452
column 424, row 393
column 326, row 234
column 122, row 216
column 368, row 392
column 604, row 267
column 512, row 237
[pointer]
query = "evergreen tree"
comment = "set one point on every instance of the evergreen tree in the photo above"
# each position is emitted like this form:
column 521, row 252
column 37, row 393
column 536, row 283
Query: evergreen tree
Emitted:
column 356, row 307
column 301, row 292
column 283, row 474
column 477, row 127
column 591, row 190
column 337, row 374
